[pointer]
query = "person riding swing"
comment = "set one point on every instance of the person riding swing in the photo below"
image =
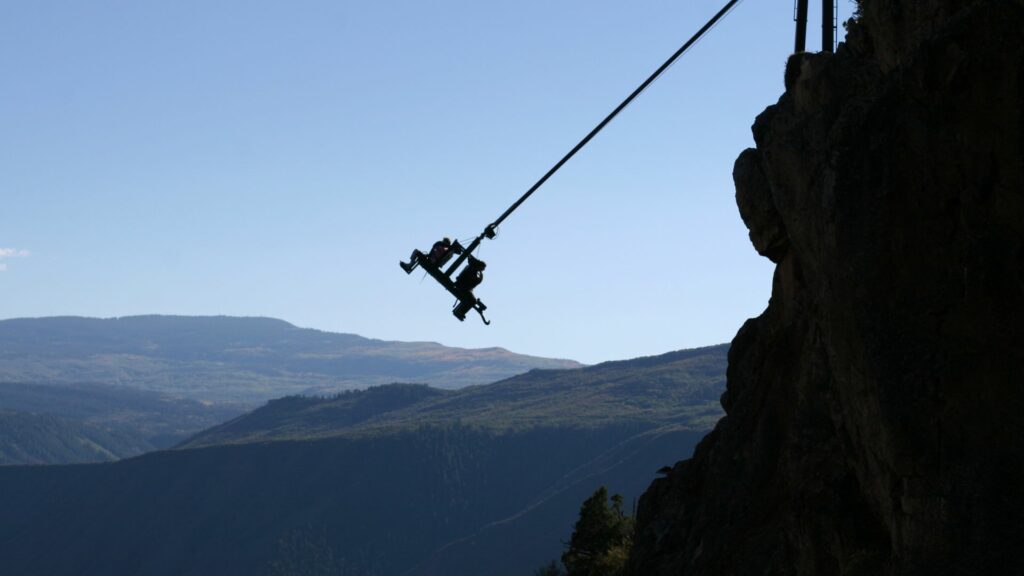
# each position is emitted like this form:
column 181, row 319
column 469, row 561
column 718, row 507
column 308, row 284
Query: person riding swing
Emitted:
column 470, row 277
column 462, row 287
column 439, row 253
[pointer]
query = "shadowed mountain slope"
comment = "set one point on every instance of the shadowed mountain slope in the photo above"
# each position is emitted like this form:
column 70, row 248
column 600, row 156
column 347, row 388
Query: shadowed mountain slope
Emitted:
column 374, row 483
column 44, row 439
column 149, row 418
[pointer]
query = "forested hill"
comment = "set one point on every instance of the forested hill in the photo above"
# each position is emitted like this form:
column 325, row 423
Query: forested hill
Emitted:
column 228, row 359
column 27, row 438
column 43, row 423
column 393, row 480
column 675, row 388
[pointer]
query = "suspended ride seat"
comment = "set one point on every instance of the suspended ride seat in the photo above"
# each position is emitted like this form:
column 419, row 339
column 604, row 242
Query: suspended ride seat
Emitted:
column 462, row 287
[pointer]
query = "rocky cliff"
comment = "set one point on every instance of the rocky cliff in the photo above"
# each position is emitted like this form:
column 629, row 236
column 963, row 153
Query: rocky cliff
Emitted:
column 875, row 410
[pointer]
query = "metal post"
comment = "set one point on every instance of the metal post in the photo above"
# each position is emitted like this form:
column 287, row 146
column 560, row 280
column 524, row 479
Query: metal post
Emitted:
column 828, row 25
column 801, row 25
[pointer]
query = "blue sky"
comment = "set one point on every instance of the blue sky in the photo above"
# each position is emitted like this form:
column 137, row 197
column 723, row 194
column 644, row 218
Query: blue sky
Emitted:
column 279, row 158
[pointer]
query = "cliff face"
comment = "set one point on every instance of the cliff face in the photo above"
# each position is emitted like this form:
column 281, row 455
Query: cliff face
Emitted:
column 875, row 409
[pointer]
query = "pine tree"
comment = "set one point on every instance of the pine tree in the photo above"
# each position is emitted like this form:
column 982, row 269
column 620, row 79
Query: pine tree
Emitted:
column 601, row 538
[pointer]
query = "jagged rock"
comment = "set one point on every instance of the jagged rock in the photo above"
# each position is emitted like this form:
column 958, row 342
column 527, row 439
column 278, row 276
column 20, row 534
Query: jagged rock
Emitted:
column 875, row 410
column 754, row 198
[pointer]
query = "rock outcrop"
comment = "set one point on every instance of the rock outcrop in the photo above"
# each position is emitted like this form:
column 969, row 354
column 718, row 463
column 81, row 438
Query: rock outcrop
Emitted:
column 875, row 410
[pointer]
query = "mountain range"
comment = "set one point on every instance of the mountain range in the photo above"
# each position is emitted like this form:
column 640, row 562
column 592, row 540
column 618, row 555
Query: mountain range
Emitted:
column 86, row 389
column 223, row 359
column 397, row 479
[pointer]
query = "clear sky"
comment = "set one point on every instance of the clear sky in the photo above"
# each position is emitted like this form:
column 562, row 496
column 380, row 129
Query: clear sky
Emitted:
column 278, row 159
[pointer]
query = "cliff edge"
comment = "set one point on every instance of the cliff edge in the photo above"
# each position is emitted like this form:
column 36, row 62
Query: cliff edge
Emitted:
column 875, row 410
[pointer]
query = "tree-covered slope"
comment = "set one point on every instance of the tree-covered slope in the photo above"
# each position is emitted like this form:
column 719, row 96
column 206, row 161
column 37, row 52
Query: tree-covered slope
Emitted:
column 44, row 439
column 675, row 388
column 393, row 480
column 150, row 418
column 229, row 359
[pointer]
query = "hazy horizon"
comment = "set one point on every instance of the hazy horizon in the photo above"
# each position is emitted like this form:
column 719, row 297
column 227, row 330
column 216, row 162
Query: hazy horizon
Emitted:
column 367, row 336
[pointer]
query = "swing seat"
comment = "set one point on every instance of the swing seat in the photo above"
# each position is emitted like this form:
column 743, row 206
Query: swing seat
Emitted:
column 466, row 300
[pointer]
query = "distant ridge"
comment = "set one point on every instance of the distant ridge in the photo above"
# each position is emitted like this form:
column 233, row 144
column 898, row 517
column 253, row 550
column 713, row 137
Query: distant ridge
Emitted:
column 236, row 359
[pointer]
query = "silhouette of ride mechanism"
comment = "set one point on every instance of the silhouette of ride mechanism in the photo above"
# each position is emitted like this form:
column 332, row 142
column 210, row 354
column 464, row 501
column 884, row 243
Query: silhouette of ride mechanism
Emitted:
column 462, row 287
column 472, row 275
